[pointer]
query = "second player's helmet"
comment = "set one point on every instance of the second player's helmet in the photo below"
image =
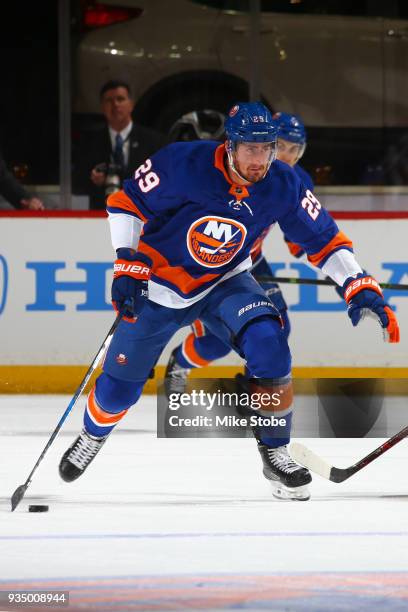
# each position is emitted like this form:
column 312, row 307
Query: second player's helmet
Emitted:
column 290, row 128
column 249, row 122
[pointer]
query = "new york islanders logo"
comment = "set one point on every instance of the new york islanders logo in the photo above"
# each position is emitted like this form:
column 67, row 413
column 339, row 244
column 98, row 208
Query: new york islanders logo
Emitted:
column 214, row 241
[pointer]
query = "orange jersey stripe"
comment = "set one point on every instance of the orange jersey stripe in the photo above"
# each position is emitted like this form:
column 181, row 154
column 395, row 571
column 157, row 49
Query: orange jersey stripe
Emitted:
column 121, row 200
column 256, row 250
column 190, row 352
column 99, row 415
column 238, row 191
column 219, row 162
column 294, row 248
column 174, row 274
column 339, row 240
column 258, row 244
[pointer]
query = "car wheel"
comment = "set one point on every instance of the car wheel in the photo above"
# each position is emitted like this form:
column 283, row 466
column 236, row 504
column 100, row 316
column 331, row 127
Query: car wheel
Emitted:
column 206, row 124
column 197, row 115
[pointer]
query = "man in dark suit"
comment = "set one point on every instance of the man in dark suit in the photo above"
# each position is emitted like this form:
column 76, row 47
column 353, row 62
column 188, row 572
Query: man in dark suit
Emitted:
column 110, row 155
column 13, row 192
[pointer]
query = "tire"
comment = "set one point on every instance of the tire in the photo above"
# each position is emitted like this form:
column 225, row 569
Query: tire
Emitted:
column 196, row 113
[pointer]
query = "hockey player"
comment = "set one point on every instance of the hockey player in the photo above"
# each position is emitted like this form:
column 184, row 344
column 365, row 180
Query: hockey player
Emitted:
column 201, row 207
column 201, row 346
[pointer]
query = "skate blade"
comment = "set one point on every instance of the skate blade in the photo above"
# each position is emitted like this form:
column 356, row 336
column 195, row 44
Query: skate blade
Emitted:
column 280, row 491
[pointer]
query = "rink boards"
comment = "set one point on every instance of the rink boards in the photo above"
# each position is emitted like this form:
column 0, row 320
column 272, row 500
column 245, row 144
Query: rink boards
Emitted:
column 55, row 275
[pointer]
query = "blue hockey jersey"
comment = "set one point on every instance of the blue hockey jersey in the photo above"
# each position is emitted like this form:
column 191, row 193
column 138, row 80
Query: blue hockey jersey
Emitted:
column 199, row 227
column 296, row 250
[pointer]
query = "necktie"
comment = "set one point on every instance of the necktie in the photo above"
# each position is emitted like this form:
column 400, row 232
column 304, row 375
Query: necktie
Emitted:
column 118, row 151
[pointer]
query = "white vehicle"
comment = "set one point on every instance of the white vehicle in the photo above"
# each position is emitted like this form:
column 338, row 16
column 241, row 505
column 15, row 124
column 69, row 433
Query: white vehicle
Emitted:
column 339, row 64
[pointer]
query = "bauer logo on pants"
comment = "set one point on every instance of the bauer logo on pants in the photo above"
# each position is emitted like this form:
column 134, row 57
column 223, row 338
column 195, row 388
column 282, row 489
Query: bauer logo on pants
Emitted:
column 214, row 241
column 3, row 283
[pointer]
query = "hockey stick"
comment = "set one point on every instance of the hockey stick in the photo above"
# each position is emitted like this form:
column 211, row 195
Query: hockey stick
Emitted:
column 316, row 464
column 20, row 491
column 318, row 281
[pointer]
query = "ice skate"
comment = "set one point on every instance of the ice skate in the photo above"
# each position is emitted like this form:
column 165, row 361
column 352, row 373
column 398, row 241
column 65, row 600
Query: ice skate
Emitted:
column 289, row 480
column 175, row 377
column 79, row 455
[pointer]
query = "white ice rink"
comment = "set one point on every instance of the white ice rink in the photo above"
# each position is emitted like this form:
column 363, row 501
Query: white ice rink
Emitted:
column 185, row 524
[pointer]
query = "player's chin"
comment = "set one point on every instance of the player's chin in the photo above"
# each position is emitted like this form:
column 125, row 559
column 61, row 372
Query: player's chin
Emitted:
column 253, row 176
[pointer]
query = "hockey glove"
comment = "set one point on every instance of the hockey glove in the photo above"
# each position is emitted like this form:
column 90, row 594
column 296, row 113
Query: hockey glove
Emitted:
column 364, row 297
column 131, row 273
column 339, row 290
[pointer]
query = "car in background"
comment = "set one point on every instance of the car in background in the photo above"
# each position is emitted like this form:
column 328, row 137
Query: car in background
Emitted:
column 340, row 65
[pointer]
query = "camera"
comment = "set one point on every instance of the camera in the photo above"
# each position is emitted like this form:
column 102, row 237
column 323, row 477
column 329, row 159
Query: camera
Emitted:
column 113, row 180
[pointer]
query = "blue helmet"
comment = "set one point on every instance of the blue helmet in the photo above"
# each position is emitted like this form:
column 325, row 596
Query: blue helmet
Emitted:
column 250, row 122
column 290, row 128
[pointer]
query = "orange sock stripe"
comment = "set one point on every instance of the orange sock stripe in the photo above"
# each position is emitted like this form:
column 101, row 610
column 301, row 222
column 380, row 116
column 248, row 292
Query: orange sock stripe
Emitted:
column 275, row 399
column 191, row 354
column 100, row 416
column 198, row 328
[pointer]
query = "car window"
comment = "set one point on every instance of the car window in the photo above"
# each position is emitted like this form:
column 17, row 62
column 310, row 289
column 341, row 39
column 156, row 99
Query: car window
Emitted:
column 401, row 9
column 351, row 8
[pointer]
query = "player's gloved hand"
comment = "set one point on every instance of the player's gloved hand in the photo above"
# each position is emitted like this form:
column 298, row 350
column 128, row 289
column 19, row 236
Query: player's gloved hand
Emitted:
column 131, row 272
column 339, row 290
column 364, row 297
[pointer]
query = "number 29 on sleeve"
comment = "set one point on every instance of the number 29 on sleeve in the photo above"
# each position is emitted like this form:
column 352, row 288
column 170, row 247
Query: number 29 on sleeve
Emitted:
column 149, row 180
column 311, row 204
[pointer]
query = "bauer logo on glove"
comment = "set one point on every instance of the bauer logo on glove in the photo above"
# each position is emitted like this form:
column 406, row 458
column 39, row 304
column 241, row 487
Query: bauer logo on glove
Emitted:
column 364, row 297
column 367, row 282
column 137, row 271
column 131, row 272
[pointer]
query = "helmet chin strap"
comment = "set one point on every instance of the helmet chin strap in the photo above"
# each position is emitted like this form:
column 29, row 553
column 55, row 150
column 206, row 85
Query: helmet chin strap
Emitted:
column 233, row 167
column 230, row 153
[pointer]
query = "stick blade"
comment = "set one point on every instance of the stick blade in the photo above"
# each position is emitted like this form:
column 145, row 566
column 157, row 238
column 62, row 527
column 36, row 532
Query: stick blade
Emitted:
column 309, row 459
column 17, row 496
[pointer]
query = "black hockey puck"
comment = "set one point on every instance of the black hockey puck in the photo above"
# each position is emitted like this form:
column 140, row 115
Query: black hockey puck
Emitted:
column 33, row 508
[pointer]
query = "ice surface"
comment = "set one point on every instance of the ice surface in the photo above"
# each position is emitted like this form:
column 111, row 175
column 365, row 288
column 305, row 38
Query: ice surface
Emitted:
column 185, row 524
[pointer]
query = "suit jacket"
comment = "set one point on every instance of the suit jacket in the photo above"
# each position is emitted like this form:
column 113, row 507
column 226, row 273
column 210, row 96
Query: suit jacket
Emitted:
column 10, row 188
column 96, row 148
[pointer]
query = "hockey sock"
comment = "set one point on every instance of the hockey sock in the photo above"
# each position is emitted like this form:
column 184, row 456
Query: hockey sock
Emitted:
column 181, row 360
column 272, row 398
column 274, row 435
column 108, row 402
